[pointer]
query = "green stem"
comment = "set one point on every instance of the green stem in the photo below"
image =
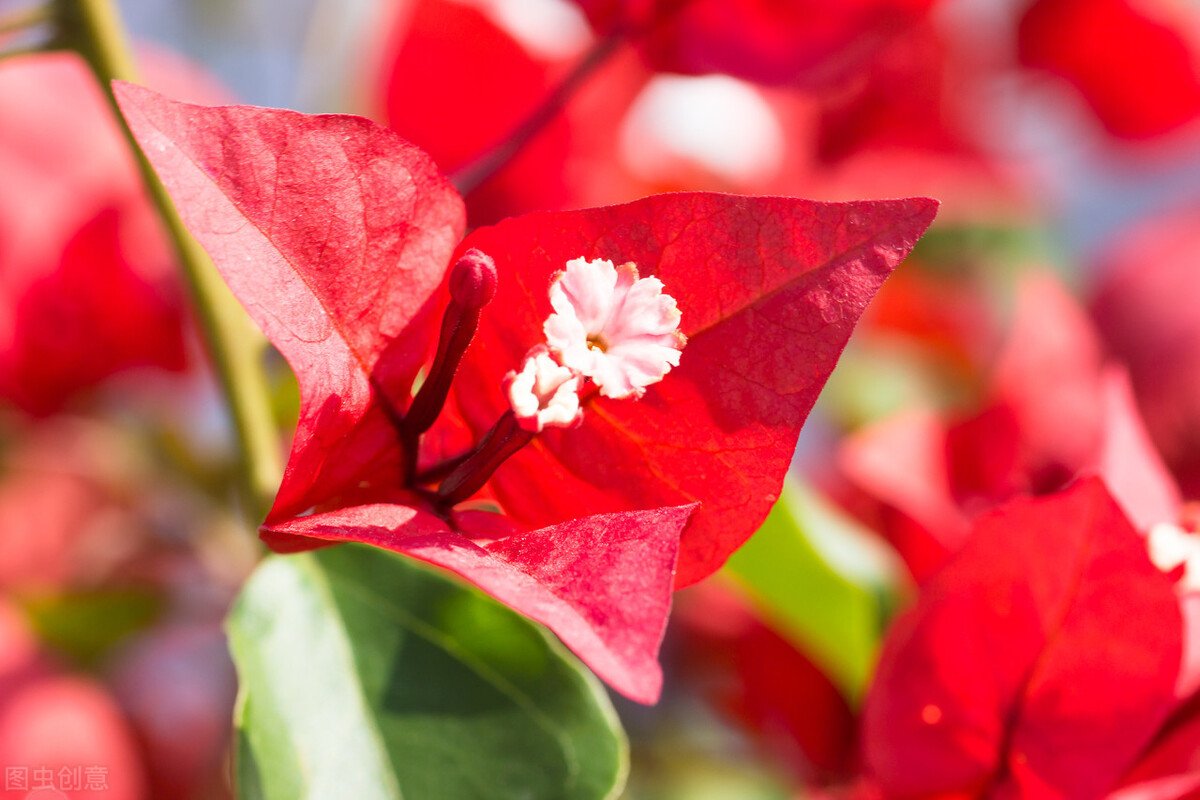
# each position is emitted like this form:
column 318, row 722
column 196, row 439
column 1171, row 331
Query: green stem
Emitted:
column 93, row 29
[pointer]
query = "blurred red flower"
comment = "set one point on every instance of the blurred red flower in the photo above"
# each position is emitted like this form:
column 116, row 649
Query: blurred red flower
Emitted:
column 1135, row 62
column 1041, row 661
column 86, row 279
column 773, row 42
column 1144, row 306
column 759, row 678
column 457, row 84
column 1053, row 410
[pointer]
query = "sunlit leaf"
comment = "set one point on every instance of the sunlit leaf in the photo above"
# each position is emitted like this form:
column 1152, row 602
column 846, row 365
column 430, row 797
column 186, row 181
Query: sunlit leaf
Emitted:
column 364, row 675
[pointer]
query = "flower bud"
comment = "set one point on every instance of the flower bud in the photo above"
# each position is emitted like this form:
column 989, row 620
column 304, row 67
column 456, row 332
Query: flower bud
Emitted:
column 473, row 279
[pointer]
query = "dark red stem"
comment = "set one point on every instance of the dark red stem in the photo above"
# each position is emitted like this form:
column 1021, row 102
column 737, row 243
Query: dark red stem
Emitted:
column 472, row 286
column 504, row 439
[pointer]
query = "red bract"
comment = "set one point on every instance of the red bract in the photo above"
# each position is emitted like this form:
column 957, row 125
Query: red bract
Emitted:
column 911, row 95
column 1170, row 767
column 447, row 49
column 1133, row 62
column 770, row 290
column 337, row 237
column 1053, row 411
column 85, row 275
column 458, row 85
column 773, row 42
column 1040, row 662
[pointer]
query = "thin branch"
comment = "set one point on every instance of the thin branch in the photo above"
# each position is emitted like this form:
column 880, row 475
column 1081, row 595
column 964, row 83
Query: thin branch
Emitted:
column 469, row 178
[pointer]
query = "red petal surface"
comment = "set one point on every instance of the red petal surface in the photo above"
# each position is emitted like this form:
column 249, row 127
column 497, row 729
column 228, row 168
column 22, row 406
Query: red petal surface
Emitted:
column 1049, row 376
column 767, row 41
column 1170, row 768
column 769, row 289
column 601, row 583
column 901, row 463
column 1133, row 62
column 990, row 684
column 459, row 85
column 1173, row 787
column 1189, row 672
column 86, row 281
column 334, row 233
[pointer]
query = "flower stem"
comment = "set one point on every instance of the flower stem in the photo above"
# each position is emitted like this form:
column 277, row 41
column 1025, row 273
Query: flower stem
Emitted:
column 469, row 177
column 93, row 29
column 504, row 439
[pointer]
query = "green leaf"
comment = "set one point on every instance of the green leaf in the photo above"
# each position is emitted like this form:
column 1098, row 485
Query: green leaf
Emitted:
column 86, row 624
column 825, row 583
column 366, row 675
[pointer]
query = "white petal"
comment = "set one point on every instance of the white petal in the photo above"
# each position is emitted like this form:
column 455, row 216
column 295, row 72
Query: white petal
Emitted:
column 620, row 330
column 1171, row 546
column 589, row 286
column 544, row 392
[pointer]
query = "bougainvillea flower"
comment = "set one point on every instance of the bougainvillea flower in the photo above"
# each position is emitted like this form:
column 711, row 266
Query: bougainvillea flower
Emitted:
column 342, row 241
column 766, row 41
column 1054, row 410
column 1134, row 62
column 992, row 684
column 87, row 283
column 1144, row 306
column 924, row 479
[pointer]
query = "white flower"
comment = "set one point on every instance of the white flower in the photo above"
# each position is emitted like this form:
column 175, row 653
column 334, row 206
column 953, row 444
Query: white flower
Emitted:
column 544, row 393
column 613, row 327
column 1171, row 546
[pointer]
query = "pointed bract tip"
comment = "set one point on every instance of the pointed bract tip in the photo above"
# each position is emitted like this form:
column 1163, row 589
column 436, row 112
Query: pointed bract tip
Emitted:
column 473, row 279
column 931, row 206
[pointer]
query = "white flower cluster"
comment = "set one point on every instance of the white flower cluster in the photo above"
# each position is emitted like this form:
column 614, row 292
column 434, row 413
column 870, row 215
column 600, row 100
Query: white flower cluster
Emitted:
column 610, row 327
